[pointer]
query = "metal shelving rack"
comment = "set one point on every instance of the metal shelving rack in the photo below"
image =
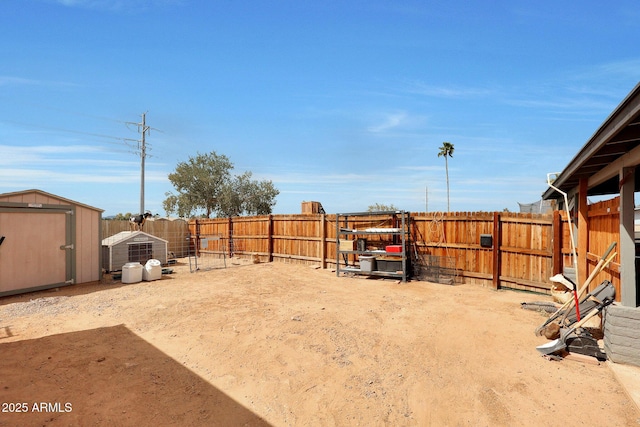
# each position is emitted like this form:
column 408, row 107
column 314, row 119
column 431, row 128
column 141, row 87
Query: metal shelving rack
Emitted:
column 402, row 233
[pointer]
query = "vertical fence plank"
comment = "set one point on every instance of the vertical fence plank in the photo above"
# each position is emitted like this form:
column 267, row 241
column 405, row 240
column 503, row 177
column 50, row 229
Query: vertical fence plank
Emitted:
column 497, row 241
column 270, row 238
column 323, row 241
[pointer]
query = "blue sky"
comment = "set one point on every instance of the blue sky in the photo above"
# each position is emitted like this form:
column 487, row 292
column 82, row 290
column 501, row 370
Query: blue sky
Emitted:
column 342, row 102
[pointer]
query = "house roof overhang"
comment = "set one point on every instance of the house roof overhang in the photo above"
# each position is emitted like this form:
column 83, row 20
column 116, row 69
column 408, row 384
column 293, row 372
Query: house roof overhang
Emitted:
column 615, row 145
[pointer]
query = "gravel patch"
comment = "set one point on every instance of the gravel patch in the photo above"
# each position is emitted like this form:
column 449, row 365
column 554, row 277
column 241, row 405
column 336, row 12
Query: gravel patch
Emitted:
column 44, row 306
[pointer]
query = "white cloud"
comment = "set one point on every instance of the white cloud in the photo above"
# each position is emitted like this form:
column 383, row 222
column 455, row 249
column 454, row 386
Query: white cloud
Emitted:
column 300, row 178
column 17, row 177
column 10, row 80
column 422, row 168
column 38, row 166
column 437, row 91
column 24, row 81
column 623, row 68
column 49, row 154
column 389, row 122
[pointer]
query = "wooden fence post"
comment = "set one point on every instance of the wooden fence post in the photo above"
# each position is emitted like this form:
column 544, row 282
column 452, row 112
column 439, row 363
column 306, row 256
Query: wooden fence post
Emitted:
column 196, row 241
column 557, row 243
column 323, row 242
column 497, row 241
column 230, row 234
column 270, row 238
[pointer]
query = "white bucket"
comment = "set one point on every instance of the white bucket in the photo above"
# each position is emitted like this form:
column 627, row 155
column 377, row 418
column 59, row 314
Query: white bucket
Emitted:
column 132, row 272
column 152, row 270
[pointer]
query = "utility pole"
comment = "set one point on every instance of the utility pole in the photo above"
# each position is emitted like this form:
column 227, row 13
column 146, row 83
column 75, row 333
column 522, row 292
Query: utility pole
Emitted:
column 143, row 129
column 142, row 148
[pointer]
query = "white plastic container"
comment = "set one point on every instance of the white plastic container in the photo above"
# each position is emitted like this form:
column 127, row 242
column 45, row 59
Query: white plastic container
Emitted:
column 132, row 272
column 152, row 270
column 367, row 263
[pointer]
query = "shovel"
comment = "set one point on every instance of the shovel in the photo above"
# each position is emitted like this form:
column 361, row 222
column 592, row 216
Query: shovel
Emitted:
column 561, row 343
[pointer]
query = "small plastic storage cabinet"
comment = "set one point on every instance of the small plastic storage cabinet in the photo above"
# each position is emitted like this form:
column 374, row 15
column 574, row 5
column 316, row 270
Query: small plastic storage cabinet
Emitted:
column 383, row 254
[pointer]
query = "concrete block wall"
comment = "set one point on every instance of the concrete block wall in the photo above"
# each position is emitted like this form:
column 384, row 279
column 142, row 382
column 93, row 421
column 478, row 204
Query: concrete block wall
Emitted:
column 622, row 334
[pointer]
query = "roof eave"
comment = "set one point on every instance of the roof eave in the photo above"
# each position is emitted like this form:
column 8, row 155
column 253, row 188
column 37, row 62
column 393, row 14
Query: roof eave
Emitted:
column 619, row 118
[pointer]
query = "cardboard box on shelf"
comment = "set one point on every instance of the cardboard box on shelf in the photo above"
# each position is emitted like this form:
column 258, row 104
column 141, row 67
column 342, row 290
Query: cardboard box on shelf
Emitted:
column 347, row 245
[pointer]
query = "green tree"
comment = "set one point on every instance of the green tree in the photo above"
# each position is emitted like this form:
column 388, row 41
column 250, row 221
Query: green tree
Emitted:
column 379, row 207
column 204, row 183
column 245, row 195
column 122, row 217
column 446, row 151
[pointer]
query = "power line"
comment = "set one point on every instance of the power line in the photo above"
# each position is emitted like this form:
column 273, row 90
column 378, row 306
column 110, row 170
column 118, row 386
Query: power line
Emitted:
column 77, row 132
column 142, row 147
column 61, row 110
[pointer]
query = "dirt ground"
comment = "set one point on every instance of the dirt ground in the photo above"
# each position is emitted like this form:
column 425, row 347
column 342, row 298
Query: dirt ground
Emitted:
column 276, row 344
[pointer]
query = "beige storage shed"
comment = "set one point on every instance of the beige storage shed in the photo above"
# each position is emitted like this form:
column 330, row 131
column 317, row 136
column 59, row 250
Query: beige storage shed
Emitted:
column 47, row 241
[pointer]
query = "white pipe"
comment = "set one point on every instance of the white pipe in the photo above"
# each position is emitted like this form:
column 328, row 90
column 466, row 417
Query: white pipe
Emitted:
column 566, row 206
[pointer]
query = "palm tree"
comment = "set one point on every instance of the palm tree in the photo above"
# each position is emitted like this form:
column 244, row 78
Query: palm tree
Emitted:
column 446, row 150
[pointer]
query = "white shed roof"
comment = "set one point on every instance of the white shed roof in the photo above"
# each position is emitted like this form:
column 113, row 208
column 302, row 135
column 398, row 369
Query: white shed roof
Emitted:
column 140, row 236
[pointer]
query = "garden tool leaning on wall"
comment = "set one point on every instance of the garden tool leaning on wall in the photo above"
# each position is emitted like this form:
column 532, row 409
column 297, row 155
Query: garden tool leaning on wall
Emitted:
column 563, row 317
column 577, row 339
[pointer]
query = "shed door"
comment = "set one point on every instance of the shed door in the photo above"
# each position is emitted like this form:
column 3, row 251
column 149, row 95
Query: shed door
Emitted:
column 30, row 254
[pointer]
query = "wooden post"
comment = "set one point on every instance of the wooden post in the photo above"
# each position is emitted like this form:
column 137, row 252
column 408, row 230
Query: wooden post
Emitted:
column 582, row 268
column 323, row 242
column 557, row 243
column 628, row 288
column 497, row 240
column 270, row 238
column 196, row 241
column 230, row 234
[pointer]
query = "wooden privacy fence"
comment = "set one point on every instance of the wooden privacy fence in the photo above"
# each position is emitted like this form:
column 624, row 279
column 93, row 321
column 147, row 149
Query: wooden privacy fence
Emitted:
column 301, row 238
column 518, row 254
column 603, row 228
column 497, row 249
column 521, row 249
